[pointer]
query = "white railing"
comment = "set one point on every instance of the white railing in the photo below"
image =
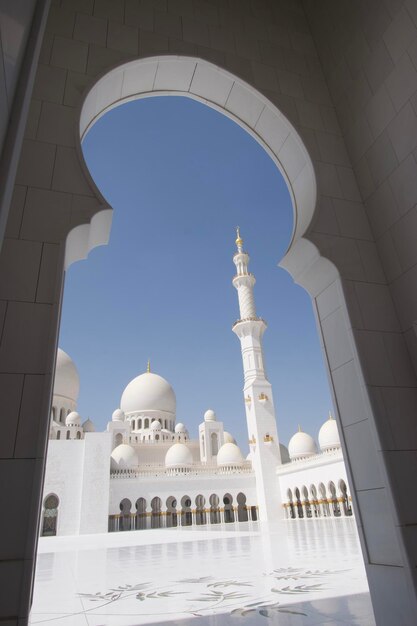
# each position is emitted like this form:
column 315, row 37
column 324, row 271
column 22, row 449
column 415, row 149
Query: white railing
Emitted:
column 149, row 471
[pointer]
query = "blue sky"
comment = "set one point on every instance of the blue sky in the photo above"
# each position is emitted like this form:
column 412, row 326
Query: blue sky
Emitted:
column 180, row 176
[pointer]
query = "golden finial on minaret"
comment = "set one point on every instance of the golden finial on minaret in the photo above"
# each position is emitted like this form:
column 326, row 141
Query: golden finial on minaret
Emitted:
column 148, row 367
column 299, row 429
column 239, row 240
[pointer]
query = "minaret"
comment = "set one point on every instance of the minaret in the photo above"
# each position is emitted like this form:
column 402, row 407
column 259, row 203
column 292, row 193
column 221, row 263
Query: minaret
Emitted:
column 257, row 390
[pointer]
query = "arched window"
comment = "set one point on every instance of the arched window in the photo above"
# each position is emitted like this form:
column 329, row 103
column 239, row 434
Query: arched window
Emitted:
column 156, row 437
column 140, row 522
column 165, row 423
column 306, row 501
column 214, row 509
column 229, row 515
column 186, row 514
column 335, row 503
column 50, row 515
column 139, row 423
column 146, row 423
column 323, row 500
column 118, row 439
column 314, row 501
column 200, row 513
column 298, row 504
column 156, row 519
column 171, row 512
column 78, row 434
column 125, row 517
column 58, row 435
column 68, row 434
column 347, row 509
column 214, row 444
column 242, row 511
column 62, row 416
column 291, row 504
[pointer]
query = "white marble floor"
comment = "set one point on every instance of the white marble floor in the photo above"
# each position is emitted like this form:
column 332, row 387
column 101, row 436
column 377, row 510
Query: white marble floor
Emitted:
column 295, row 573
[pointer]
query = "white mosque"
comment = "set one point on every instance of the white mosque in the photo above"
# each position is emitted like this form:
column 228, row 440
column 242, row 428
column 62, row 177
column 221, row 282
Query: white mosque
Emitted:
column 145, row 471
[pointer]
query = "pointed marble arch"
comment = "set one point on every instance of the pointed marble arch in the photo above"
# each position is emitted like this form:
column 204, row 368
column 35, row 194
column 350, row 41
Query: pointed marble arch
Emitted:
column 219, row 89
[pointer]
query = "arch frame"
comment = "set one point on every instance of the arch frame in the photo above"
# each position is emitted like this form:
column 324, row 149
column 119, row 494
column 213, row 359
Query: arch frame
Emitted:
column 217, row 88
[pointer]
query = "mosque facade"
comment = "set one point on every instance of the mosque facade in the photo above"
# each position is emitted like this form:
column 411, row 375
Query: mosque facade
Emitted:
column 145, row 471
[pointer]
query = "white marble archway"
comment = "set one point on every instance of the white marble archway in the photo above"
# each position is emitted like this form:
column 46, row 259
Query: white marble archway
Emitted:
column 219, row 89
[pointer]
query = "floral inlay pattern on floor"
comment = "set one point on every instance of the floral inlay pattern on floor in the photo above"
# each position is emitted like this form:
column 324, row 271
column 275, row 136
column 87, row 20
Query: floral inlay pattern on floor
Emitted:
column 204, row 595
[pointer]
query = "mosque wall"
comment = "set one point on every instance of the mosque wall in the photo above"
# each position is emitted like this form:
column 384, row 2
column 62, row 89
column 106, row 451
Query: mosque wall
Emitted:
column 362, row 151
column 96, row 483
column 64, row 478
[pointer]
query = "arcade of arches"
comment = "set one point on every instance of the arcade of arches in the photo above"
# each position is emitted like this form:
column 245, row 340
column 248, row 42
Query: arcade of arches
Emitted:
column 202, row 512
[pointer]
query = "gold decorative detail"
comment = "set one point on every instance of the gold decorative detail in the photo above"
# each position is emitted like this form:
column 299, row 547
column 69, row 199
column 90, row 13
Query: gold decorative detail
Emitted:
column 248, row 399
column 331, row 416
column 239, row 240
column 299, row 429
column 263, row 397
column 252, row 440
column 268, row 438
column 148, row 367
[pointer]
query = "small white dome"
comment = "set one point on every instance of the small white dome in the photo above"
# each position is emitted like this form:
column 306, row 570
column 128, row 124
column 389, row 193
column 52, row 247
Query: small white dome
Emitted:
column 156, row 425
column 228, row 438
column 67, row 381
column 180, row 428
column 178, row 455
column 229, row 454
column 118, row 416
column 209, row 416
column 301, row 445
column 329, row 435
column 73, row 419
column 123, row 457
column 148, row 392
column 88, row 426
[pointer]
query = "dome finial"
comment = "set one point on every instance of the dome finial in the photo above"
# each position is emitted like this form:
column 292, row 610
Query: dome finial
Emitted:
column 239, row 240
column 148, row 367
column 330, row 416
column 299, row 429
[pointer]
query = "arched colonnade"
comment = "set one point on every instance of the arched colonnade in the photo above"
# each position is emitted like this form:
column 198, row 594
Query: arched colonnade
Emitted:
column 185, row 511
column 318, row 501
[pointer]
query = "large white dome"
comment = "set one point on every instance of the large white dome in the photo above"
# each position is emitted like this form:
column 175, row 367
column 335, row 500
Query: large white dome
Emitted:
column 123, row 457
column 178, row 455
column 301, row 445
column 67, row 381
column 229, row 454
column 148, row 392
column 329, row 435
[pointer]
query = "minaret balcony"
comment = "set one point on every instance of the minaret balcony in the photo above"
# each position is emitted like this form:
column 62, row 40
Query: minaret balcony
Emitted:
column 249, row 319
